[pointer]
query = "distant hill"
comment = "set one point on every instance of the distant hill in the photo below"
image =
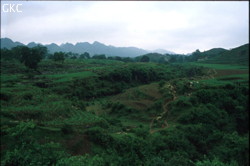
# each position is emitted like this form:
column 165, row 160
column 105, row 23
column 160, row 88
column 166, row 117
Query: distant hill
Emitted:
column 162, row 51
column 206, row 55
column 154, row 57
column 8, row 43
column 53, row 48
column 32, row 44
column 239, row 55
column 214, row 52
column 81, row 47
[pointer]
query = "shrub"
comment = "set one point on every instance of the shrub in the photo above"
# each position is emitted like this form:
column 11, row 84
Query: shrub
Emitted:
column 5, row 96
column 66, row 129
column 85, row 160
column 99, row 136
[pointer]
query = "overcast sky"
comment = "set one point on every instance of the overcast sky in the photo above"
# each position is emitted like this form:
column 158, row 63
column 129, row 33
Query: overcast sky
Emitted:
column 181, row 26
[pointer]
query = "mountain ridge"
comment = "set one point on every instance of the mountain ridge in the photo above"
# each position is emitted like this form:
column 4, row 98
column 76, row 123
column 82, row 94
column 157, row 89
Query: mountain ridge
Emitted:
column 81, row 47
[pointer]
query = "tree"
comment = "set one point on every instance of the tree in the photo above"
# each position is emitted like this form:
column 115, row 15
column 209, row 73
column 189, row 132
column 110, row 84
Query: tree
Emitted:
column 127, row 59
column 173, row 59
column 43, row 51
column 31, row 60
column 7, row 54
column 145, row 59
column 110, row 58
column 195, row 55
column 27, row 150
column 59, row 56
column 101, row 56
column 86, row 55
column 50, row 56
column 30, row 56
column 73, row 57
column 117, row 58
column 19, row 52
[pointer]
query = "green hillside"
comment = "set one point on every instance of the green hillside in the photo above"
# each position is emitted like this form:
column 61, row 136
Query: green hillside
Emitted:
column 239, row 55
column 236, row 56
column 214, row 52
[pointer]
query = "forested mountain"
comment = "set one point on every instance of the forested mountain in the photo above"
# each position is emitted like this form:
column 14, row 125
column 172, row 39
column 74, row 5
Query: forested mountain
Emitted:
column 214, row 51
column 81, row 47
column 238, row 55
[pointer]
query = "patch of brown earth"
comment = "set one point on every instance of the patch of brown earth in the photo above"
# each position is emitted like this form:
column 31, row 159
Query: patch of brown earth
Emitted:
column 78, row 144
column 230, row 72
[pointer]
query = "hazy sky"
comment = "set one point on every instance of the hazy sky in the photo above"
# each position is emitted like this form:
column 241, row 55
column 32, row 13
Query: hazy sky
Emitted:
column 181, row 26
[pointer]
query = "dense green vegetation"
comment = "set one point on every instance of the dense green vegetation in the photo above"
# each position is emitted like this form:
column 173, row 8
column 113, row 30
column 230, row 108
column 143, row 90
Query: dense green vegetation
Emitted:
column 236, row 56
column 239, row 55
column 111, row 111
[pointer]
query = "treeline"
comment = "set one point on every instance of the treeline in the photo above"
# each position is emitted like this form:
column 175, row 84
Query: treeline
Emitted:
column 24, row 52
column 30, row 57
column 237, row 55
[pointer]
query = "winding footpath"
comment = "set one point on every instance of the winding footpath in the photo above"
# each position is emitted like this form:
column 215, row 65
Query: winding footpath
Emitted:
column 210, row 75
column 165, row 111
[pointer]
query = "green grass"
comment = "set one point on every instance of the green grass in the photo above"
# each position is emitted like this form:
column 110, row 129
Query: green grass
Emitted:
column 70, row 76
column 9, row 78
column 81, row 62
column 133, row 122
column 220, row 66
column 236, row 78
column 80, row 118
column 215, row 82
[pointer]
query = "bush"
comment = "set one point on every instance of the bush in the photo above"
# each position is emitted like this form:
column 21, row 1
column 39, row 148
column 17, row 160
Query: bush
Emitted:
column 141, row 132
column 161, row 83
column 26, row 150
column 67, row 129
column 81, row 161
column 214, row 162
column 155, row 161
column 99, row 136
column 5, row 96
column 33, row 155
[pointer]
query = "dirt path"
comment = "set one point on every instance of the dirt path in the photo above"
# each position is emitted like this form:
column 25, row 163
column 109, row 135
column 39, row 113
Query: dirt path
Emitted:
column 165, row 111
column 210, row 74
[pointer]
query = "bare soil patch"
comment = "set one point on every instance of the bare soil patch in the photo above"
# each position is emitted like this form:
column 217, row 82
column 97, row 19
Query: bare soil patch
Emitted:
column 230, row 72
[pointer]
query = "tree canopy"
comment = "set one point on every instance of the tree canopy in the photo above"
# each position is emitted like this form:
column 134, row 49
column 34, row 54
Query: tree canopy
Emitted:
column 59, row 56
column 145, row 59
